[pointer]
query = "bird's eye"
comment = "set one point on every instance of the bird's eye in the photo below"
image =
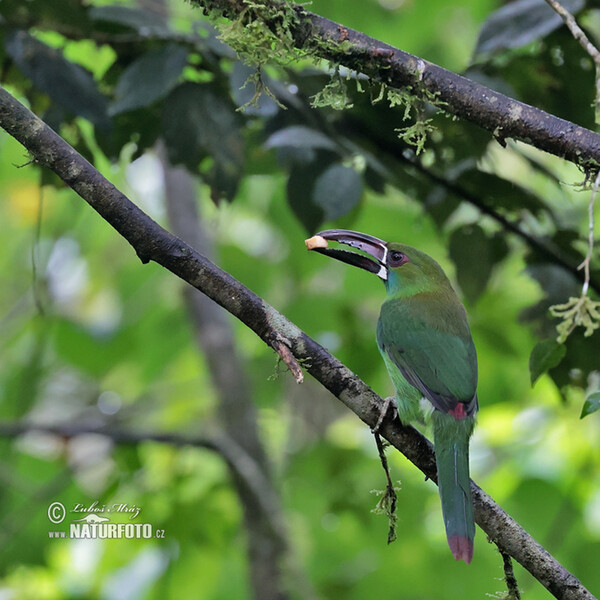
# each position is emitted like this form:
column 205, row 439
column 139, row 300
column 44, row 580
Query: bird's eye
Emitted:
column 397, row 258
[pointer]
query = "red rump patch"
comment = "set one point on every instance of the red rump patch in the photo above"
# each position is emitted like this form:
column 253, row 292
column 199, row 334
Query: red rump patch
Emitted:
column 458, row 412
column 462, row 547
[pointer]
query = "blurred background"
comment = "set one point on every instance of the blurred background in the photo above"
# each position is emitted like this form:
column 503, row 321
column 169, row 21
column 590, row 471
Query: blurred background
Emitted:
column 265, row 488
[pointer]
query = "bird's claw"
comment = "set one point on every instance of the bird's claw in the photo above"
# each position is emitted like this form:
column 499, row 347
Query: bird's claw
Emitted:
column 389, row 401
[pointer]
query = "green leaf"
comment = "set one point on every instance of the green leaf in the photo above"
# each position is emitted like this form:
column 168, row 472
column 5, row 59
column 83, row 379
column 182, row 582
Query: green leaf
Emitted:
column 591, row 404
column 300, row 136
column 475, row 254
column 299, row 189
column 545, row 355
column 68, row 84
column 145, row 22
column 149, row 78
column 519, row 23
column 337, row 191
column 498, row 192
column 198, row 123
column 46, row 14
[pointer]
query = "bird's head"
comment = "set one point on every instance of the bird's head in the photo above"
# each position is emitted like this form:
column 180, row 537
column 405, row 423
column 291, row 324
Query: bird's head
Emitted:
column 401, row 267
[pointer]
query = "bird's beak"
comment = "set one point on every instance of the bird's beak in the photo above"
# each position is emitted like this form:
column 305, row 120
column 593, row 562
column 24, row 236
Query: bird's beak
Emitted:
column 374, row 247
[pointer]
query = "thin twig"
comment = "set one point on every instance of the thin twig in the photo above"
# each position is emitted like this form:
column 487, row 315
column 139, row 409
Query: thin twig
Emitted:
column 389, row 499
column 585, row 265
column 509, row 577
column 577, row 32
column 37, row 234
column 584, row 41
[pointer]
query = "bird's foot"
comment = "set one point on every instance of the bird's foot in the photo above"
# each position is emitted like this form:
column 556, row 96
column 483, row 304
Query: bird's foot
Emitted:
column 390, row 401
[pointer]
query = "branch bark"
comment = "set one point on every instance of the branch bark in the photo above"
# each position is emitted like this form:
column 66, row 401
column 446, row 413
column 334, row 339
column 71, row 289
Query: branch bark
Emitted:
column 504, row 117
column 152, row 242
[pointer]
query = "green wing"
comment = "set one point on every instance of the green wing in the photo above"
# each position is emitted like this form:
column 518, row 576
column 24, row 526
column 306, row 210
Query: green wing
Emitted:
column 435, row 356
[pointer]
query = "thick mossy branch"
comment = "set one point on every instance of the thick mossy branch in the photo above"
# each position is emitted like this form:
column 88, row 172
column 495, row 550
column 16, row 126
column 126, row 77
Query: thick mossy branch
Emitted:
column 261, row 33
column 265, row 32
column 500, row 115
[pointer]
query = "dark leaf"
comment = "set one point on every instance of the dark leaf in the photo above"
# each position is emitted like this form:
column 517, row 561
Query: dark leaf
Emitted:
column 375, row 180
column 300, row 187
column 197, row 123
column 557, row 77
column 545, row 355
column 591, row 404
column 139, row 126
column 440, row 204
column 288, row 156
column 149, row 78
column 47, row 14
column 300, row 136
column 521, row 22
column 209, row 36
column 145, row 22
column 68, row 84
column 497, row 192
column 475, row 254
column 337, row 191
column 581, row 359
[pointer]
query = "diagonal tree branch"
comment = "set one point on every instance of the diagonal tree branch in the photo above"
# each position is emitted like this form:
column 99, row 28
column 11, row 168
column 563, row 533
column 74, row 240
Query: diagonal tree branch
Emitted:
column 504, row 117
column 152, row 242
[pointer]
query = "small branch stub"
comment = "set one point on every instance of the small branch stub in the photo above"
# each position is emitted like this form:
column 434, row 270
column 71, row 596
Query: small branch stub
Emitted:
column 282, row 348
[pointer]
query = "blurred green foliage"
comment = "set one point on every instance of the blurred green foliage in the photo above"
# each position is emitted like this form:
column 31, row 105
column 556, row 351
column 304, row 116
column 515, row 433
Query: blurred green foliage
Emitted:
column 90, row 335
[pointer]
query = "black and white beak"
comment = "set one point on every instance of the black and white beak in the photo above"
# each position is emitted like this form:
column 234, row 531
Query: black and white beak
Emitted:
column 372, row 246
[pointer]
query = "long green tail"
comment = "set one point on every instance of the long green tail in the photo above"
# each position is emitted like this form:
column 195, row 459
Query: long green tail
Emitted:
column 451, row 437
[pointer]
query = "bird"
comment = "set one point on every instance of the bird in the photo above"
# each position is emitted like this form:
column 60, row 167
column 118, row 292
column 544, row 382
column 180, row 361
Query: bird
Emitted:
column 425, row 340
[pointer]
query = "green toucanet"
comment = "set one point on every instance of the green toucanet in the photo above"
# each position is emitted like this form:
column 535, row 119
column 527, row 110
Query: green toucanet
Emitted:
column 425, row 340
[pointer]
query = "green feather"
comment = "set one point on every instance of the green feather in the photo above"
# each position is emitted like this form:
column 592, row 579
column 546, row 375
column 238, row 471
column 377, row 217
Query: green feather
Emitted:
column 440, row 352
column 424, row 338
column 451, row 438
